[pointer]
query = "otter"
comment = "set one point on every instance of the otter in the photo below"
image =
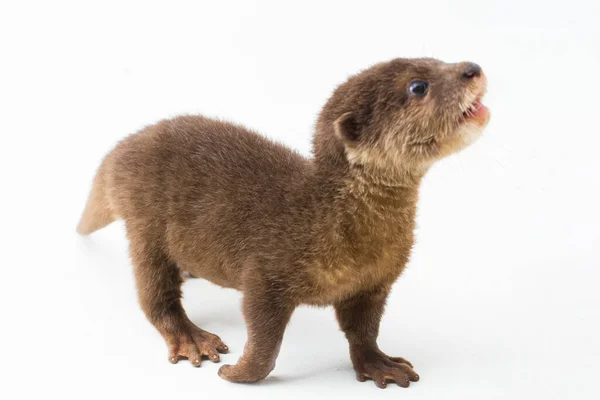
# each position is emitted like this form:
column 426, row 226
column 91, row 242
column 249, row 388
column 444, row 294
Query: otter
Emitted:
column 223, row 203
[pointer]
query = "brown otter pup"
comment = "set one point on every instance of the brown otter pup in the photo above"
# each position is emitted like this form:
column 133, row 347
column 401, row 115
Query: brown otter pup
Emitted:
column 226, row 204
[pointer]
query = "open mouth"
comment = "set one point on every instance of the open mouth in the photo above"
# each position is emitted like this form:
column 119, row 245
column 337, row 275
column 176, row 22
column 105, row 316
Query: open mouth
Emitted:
column 476, row 111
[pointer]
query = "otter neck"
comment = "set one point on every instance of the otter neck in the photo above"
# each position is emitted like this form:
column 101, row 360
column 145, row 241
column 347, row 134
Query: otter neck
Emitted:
column 369, row 212
column 361, row 204
column 332, row 169
column 378, row 198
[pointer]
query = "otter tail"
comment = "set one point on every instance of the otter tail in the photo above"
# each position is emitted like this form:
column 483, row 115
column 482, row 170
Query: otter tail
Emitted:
column 97, row 213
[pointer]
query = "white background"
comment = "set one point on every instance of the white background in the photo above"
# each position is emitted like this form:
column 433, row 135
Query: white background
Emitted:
column 500, row 299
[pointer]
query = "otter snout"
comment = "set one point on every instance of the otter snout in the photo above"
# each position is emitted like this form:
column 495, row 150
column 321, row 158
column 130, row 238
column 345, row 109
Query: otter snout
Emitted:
column 471, row 71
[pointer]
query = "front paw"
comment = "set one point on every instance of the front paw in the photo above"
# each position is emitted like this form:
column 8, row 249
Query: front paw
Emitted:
column 374, row 364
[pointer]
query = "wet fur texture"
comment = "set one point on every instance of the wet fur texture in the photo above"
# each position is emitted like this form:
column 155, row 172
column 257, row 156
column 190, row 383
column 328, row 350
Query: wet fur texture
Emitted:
column 228, row 205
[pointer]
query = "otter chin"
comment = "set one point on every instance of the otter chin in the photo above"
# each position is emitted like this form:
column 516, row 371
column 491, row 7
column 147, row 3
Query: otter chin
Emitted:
column 217, row 201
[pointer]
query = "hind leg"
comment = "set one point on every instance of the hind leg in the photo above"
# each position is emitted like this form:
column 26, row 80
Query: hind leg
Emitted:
column 159, row 289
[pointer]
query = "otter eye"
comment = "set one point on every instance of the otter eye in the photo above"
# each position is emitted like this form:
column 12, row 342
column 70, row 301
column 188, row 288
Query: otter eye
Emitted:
column 418, row 88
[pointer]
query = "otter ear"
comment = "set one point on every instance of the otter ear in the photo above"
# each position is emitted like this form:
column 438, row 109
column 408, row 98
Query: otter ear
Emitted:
column 346, row 128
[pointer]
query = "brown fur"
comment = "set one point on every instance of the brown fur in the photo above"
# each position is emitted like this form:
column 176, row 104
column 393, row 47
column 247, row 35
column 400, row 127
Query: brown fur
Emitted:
column 226, row 204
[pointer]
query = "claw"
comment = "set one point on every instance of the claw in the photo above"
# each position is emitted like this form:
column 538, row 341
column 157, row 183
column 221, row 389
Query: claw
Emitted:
column 403, row 383
column 381, row 384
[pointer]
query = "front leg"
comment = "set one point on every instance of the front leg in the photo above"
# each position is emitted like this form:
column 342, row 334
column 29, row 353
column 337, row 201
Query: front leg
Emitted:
column 359, row 318
column 266, row 313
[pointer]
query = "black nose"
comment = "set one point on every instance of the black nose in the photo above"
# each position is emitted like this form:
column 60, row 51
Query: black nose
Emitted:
column 471, row 71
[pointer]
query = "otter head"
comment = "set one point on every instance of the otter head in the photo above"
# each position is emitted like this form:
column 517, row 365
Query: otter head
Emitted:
column 403, row 115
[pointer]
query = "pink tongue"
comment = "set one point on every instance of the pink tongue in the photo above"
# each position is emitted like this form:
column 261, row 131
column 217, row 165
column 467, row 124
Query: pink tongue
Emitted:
column 481, row 110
